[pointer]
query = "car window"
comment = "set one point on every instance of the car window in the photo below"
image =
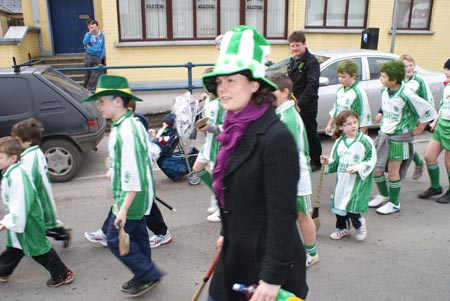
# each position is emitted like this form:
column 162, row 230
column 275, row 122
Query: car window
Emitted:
column 375, row 65
column 330, row 71
column 66, row 84
column 16, row 97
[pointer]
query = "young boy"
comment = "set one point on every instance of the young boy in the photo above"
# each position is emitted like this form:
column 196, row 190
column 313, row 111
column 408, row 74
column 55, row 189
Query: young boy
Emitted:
column 29, row 135
column 286, row 111
column 350, row 96
column 132, row 182
column 419, row 86
column 439, row 142
column 402, row 110
column 24, row 220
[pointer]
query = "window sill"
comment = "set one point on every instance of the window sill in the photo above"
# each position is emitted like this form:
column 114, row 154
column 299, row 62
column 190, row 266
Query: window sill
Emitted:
column 183, row 43
column 333, row 30
column 403, row 31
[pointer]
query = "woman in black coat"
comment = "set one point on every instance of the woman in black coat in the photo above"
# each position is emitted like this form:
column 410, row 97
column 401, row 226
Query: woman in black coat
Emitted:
column 255, row 181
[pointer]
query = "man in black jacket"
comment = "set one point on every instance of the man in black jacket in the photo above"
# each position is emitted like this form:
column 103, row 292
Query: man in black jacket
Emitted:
column 304, row 71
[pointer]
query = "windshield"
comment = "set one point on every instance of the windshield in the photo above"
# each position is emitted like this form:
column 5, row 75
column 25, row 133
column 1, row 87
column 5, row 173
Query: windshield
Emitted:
column 321, row 58
column 66, row 84
column 281, row 66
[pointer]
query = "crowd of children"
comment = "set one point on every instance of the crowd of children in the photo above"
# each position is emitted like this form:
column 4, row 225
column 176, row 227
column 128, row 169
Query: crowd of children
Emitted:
column 407, row 108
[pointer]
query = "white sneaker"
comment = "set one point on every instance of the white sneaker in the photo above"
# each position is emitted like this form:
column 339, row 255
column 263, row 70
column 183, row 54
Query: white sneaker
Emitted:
column 214, row 217
column 388, row 208
column 361, row 233
column 310, row 260
column 339, row 233
column 97, row 237
column 159, row 240
column 213, row 207
column 377, row 201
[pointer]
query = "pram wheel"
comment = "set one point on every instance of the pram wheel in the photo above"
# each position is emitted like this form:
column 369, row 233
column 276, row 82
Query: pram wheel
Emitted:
column 193, row 179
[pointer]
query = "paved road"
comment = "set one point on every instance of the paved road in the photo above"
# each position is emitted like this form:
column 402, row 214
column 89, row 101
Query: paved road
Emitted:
column 405, row 256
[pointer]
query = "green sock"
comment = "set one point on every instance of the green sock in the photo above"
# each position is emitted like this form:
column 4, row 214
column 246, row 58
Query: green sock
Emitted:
column 206, row 178
column 382, row 186
column 394, row 191
column 433, row 172
column 311, row 250
column 417, row 160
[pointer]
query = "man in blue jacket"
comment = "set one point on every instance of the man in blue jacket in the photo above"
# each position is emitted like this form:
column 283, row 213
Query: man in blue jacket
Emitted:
column 94, row 43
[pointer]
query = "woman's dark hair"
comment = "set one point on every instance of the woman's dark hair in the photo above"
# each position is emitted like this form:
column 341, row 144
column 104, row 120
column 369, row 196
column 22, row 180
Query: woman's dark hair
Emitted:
column 340, row 119
column 264, row 93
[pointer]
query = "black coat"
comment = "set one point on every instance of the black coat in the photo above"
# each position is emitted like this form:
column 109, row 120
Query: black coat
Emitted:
column 305, row 73
column 259, row 219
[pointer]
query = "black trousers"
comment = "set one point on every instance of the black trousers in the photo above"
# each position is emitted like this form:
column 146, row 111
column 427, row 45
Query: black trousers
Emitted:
column 315, row 146
column 155, row 221
column 11, row 257
column 342, row 222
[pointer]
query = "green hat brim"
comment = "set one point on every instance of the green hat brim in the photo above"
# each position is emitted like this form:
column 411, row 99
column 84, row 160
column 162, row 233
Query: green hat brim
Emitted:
column 111, row 92
column 209, row 80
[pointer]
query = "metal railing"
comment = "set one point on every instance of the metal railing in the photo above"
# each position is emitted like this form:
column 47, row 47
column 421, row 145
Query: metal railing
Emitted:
column 189, row 66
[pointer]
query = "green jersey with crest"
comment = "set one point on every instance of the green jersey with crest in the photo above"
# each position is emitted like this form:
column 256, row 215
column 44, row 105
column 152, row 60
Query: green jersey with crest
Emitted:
column 420, row 87
column 23, row 213
column 130, row 165
column 215, row 115
column 402, row 109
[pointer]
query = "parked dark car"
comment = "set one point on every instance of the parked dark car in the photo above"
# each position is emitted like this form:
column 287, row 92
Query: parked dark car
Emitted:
column 72, row 127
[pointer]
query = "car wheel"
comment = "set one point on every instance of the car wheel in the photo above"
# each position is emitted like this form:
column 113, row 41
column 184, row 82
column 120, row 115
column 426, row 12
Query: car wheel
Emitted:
column 64, row 159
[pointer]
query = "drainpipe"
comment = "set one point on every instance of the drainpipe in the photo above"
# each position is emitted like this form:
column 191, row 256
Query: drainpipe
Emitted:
column 394, row 25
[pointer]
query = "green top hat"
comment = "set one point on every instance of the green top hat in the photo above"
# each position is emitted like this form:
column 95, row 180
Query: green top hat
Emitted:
column 112, row 85
column 242, row 49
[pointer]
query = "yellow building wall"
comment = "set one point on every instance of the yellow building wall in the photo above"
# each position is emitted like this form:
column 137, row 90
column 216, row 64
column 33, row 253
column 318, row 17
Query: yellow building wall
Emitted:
column 20, row 52
column 45, row 24
column 27, row 13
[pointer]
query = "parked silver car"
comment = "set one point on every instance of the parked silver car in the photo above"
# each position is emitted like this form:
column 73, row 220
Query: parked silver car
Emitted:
column 369, row 63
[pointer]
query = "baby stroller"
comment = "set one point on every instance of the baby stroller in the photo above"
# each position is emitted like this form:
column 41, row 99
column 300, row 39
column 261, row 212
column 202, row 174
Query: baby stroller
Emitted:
column 178, row 157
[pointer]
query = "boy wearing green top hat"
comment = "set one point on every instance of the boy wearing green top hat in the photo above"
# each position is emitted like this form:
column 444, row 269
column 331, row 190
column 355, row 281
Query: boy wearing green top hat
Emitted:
column 131, row 176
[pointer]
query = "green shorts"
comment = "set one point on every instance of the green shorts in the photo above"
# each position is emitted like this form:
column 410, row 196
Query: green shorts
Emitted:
column 398, row 151
column 441, row 131
column 304, row 204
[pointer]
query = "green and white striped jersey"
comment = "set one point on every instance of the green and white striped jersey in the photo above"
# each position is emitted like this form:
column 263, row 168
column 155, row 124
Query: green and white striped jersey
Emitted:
column 23, row 213
column 444, row 107
column 420, row 87
column 130, row 165
column 352, row 190
column 354, row 99
column 35, row 164
column 215, row 115
column 291, row 118
column 402, row 110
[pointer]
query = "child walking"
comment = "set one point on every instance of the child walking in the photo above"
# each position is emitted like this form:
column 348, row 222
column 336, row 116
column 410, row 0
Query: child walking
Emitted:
column 29, row 135
column 353, row 158
column 132, row 182
column 208, row 153
column 288, row 114
column 419, row 86
column 24, row 220
column 350, row 96
column 404, row 115
column 439, row 141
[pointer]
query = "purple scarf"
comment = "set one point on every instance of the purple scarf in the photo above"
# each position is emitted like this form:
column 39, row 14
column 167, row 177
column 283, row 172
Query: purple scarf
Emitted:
column 234, row 127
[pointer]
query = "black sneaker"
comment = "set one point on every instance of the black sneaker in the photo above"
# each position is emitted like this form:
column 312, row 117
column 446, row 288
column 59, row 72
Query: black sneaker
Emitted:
column 127, row 285
column 66, row 280
column 68, row 238
column 430, row 192
column 139, row 287
column 445, row 199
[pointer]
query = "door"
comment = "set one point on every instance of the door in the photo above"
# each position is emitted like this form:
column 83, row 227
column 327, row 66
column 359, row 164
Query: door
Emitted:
column 68, row 20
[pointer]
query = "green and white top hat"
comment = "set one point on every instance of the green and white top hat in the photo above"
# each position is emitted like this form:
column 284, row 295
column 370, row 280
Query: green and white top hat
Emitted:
column 242, row 48
column 112, row 85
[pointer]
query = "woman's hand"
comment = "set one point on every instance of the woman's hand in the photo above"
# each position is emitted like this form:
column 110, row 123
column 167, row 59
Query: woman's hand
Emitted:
column 219, row 244
column 323, row 159
column 266, row 292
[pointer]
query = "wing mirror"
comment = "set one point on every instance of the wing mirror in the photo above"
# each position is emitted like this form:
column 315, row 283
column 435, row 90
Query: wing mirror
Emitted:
column 324, row 81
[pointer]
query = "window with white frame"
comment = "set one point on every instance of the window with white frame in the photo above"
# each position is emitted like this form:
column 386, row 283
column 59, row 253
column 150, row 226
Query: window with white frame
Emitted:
column 414, row 14
column 147, row 20
column 336, row 13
